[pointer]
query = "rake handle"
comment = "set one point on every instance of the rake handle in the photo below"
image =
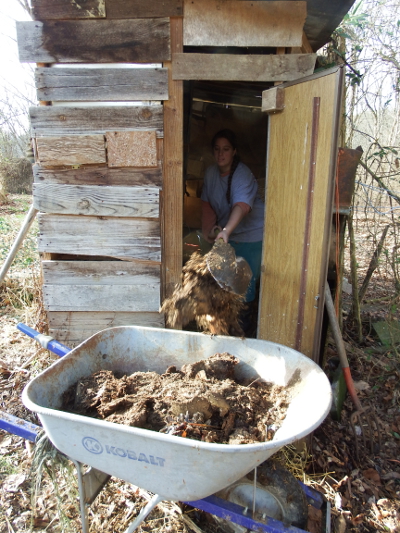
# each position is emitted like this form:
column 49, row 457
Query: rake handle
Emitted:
column 337, row 335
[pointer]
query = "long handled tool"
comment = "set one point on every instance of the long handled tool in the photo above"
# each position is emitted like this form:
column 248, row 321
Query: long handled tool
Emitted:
column 30, row 217
column 363, row 416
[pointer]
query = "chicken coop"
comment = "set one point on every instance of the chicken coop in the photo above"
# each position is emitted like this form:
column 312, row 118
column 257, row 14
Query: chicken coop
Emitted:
column 130, row 93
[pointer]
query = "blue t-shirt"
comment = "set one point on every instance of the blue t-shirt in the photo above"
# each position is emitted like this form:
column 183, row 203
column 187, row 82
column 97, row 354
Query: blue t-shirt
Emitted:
column 244, row 188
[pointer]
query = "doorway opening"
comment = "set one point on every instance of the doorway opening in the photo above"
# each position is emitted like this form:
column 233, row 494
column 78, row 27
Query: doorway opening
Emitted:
column 208, row 108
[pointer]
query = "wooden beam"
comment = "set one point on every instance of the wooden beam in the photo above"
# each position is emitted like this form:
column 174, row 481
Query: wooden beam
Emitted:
column 101, row 84
column 71, row 150
column 128, row 238
column 68, row 9
column 101, row 286
column 131, row 148
column 125, row 177
column 102, row 297
column 243, row 23
column 130, row 9
column 96, row 201
column 226, row 67
column 305, row 47
column 173, row 171
column 94, row 272
column 72, row 328
column 115, row 9
column 65, row 120
column 273, row 100
column 94, row 41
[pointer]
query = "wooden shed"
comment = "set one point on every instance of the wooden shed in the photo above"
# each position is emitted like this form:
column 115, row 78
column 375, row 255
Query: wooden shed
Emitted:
column 130, row 93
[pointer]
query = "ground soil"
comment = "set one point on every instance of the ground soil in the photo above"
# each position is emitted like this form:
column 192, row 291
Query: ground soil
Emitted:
column 201, row 401
column 364, row 491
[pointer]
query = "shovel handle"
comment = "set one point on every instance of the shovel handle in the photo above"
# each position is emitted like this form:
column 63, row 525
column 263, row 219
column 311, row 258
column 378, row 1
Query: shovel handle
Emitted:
column 337, row 335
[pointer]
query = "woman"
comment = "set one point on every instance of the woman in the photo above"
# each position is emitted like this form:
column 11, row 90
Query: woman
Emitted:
column 230, row 204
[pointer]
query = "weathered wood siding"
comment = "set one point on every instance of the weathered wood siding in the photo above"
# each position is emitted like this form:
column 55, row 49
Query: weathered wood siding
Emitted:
column 71, row 150
column 129, row 238
column 96, row 201
column 225, row 67
column 63, row 120
column 241, row 23
column 71, row 327
column 94, row 41
column 125, row 177
column 100, row 84
column 113, row 9
column 117, row 286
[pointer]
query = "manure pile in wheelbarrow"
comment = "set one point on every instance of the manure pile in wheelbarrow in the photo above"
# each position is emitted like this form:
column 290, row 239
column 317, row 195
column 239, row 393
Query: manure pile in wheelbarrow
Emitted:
column 201, row 401
column 199, row 297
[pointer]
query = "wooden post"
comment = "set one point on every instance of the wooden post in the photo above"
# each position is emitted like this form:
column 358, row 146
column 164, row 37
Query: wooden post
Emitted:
column 172, row 200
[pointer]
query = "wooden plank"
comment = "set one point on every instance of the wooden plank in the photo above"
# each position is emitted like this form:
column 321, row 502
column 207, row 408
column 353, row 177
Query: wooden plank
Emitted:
column 116, row 9
column 273, row 100
column 172, row 197
column 96, row 201
column 134, row 298
column 94, row 41
column 71, row 150
column 100, row 236
column 243, row 23
column 101, row 84
column 129, row 9
column 72, row 328
column 100, row 273
column 63, row 120
column 101, row 320
column 68, row 9
column 124, row 177
column 288, row 191
column 227, row 67
column 131, row 148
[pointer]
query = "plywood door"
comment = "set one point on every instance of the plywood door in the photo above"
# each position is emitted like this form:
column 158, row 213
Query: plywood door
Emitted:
column 300, row 175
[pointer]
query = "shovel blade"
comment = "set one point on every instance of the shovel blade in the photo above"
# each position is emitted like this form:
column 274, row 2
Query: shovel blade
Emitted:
column 232, row 273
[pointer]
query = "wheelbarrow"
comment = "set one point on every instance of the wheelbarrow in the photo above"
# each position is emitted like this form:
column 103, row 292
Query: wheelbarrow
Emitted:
column 171, row 467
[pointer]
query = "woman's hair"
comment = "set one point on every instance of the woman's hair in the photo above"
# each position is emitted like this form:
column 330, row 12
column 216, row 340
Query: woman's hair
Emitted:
column 230, row 136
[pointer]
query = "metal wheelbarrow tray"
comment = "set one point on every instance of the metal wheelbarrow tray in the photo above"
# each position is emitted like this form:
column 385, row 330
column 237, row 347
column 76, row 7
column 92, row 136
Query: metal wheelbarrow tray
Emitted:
column 173, row 467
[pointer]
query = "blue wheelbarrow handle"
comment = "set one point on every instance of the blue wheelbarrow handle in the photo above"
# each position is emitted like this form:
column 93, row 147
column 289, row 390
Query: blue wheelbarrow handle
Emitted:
column 44, row 340
column 11, row 423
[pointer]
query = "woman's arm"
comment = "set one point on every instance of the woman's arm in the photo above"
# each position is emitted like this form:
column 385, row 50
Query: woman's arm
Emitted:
column 237, row 214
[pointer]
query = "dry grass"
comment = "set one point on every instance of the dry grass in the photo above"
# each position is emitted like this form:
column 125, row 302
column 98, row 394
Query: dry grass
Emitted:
column 16, row 176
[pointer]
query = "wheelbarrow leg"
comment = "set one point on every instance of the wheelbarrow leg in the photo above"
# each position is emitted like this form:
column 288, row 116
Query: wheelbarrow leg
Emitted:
column 84, row 516
column 156, row 499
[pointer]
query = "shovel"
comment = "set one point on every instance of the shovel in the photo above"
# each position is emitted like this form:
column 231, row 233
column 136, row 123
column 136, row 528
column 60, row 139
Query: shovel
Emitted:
column 232, row 273
column 363, row 416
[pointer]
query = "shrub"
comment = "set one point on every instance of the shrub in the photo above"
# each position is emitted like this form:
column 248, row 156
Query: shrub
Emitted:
column 16, row 176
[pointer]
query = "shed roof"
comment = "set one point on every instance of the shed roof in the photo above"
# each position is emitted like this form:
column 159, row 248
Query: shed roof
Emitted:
column 323, row 17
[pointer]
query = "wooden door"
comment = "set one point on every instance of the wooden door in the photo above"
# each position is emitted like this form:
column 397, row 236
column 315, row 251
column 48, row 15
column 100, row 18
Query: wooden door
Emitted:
column 301, row 166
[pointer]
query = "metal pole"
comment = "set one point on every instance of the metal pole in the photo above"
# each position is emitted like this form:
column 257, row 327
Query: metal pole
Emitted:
column 30, row 217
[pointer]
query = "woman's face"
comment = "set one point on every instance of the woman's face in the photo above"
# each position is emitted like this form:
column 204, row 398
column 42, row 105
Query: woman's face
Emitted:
column 224, row 154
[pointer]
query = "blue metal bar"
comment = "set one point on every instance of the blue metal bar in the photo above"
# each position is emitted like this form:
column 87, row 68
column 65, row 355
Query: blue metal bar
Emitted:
column 235, row 513
column 11, row 423
column 19, row 427
column 315, row 498
column 44, row 340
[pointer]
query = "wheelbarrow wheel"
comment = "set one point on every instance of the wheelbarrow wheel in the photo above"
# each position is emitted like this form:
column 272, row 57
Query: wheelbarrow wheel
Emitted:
column 278, row 495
